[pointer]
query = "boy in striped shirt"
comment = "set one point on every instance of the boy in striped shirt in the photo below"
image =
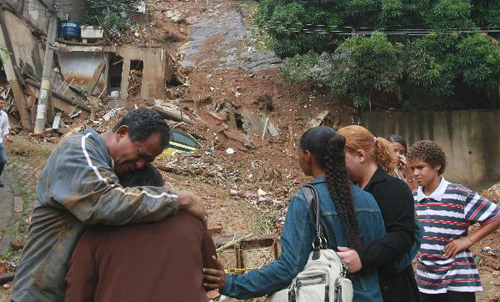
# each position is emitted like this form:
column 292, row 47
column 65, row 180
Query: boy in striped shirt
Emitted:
column 445, row 267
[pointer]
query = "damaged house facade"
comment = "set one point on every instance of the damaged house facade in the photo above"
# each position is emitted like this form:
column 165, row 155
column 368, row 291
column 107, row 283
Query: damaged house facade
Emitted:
column 85, row 66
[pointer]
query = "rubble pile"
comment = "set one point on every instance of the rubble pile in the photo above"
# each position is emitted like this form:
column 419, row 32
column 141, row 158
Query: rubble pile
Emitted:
column 492, row 193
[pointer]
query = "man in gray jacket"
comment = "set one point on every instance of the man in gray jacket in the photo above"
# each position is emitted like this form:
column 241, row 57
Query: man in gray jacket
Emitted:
column 79, row 187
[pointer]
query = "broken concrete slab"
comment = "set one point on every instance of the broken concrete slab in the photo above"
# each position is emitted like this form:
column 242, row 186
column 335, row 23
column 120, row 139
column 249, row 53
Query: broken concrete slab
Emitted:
column 59, row 101
column 318, row 120
column 272, row 129
column 251, row 123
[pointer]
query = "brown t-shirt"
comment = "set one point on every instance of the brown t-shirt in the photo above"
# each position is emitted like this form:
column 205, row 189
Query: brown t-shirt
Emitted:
column 161, row 261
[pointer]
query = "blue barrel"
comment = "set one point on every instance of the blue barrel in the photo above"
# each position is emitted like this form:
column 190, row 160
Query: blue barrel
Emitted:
column 70, row 29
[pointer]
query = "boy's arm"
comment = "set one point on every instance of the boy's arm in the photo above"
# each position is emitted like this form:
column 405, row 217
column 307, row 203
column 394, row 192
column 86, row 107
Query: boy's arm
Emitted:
column 477, row 209
column 458, row 245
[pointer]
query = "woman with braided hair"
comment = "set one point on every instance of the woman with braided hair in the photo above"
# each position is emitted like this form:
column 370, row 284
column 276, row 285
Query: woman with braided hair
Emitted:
column 350, row 215
column 369, row 159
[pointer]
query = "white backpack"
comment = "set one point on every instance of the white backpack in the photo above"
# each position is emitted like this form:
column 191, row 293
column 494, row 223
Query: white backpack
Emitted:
column 324, row 276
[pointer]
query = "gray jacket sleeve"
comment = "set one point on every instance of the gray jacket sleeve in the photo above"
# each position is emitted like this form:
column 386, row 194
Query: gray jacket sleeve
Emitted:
column 83, row 182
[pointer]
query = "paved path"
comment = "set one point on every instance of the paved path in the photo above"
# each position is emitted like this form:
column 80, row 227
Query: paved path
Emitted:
column 7, row 194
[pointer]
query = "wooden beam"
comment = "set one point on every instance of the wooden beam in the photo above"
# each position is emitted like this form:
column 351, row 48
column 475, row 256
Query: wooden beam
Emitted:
column 95, row 78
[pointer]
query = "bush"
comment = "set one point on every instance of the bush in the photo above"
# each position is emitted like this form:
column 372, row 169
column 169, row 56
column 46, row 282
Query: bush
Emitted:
column 450, row 14
column 430, row 63
column 113, row 15
column 364, row 65
column 292, row 27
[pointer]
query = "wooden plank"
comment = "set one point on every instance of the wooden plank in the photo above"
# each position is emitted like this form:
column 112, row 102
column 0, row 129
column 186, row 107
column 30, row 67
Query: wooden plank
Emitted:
column 21, row 104
column 171, row 112
column 59, row 101
column 315, row 122
column 95, row 78
column 254, row 242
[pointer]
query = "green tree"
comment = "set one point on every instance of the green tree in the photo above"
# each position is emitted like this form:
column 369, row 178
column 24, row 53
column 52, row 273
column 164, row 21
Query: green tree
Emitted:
column 452, row 59
column 479, row 58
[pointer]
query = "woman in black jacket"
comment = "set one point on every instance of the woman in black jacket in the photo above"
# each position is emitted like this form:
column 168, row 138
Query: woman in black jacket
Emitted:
column 368, row 159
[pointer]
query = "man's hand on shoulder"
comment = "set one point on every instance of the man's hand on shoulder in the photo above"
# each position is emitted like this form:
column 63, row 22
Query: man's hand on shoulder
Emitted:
column 193, row 205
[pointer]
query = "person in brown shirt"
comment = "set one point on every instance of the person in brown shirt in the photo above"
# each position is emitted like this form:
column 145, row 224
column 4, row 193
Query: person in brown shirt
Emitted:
column 161, row 261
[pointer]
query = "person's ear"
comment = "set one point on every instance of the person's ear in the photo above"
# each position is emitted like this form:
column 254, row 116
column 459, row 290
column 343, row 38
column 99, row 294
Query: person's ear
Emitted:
column 121, row 132
column 437, row 168
column 361, row 154
column 308, row 156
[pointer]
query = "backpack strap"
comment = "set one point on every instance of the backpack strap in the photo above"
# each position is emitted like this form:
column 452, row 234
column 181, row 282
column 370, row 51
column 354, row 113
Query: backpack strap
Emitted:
column 313, row 202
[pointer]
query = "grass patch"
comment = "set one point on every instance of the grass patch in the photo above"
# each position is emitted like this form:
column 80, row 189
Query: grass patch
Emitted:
column 7, row 256
column 266, row 219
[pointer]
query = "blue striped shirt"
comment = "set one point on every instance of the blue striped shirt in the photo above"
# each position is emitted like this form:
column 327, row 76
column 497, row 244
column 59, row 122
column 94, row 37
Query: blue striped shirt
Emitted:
column 446, row 215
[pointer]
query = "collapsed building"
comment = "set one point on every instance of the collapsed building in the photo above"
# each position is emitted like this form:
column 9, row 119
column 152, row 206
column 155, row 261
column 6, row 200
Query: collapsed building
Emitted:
column 86, row 67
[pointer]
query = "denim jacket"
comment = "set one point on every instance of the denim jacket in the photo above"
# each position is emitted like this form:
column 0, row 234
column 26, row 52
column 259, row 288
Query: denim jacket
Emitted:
column 296, row 244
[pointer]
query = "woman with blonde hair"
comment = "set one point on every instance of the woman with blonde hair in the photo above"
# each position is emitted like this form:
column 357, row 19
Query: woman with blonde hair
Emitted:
column 369, row 159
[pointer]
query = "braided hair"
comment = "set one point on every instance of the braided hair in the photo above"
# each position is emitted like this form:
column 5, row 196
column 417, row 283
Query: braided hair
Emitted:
column 331, row 157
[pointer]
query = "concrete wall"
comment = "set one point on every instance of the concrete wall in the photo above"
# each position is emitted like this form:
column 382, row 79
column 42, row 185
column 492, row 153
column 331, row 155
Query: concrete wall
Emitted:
column 75, row 9
column 79, row 68
column 154, row 73
column 471, row 140
column 33, row 11
column 27, row 51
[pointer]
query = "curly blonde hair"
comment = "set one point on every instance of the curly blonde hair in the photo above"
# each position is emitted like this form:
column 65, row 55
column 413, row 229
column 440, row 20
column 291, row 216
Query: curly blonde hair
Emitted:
column 378, row 149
